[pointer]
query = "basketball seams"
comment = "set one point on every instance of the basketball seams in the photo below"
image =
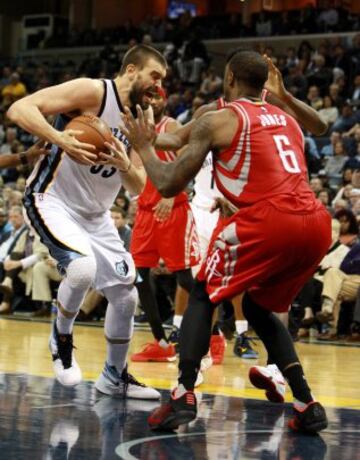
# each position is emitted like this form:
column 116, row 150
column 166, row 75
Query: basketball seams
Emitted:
column 89, row 126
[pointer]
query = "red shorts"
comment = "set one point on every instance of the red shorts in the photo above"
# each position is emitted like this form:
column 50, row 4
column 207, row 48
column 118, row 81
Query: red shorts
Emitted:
column 267, row 252
column 174, row 240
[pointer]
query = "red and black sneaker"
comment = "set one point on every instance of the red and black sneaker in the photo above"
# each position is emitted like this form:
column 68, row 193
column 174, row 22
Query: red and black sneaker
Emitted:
column 177, row 411
column 311, row 419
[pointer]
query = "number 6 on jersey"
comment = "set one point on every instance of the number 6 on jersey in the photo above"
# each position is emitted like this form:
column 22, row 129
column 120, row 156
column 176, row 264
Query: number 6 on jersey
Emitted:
column 287, row 157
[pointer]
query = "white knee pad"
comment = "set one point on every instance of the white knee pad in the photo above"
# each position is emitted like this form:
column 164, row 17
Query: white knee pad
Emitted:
column 119, row 318
column 81, row 272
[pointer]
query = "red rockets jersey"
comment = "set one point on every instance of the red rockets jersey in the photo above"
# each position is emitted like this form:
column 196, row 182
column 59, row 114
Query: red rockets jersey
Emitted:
column 150, row 196
column 265, row 160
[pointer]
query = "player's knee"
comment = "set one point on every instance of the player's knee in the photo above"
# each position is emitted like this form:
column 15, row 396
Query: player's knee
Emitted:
column 126, row 302
column 185, row 279
column 81, row 272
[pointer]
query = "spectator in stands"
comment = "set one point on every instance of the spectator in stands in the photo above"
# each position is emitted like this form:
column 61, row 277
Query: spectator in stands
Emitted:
column 263, row 26
column 355, row 329
column 13, row 91
column 313, row 98
column 325, row 198
column 44, row 271
column 328, row 20
column 347, row 119
column 340, row 284
column 355, row 92
column 329, row 112
column 186, row 116
column 342, row 59
column 335, row 164
column 316, row 185
column 343, row 194
column 334, row 93
column 349, row 227
column 122, row 201
column 318, row 74
column 193, row 59
column 211, row 84
column 10, row 137
column 5, row 225
column 118, row 215
column 340, row 205
column 295, row 81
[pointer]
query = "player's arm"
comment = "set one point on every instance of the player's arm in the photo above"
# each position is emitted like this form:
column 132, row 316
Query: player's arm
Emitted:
column 171, row 178
column 279, row 96
column 176, row 139
column 12, row 160
column 82, row 94
column 130, row 166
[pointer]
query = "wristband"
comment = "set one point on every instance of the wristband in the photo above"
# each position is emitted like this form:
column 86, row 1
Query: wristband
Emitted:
column 23, row 159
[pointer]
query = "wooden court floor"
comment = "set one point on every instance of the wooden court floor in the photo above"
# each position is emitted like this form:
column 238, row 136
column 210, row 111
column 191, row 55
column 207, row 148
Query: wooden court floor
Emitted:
column 39, row 419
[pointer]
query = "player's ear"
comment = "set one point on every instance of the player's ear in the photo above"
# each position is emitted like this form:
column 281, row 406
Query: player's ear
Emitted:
column 131, row 71
column 231, row 78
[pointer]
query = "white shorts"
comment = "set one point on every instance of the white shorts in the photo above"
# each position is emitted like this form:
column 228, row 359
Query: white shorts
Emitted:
column 206, row 222
column 69, row 235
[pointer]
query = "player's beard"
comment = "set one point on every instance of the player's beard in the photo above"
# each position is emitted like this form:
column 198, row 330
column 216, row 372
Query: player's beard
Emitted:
column 136, row 96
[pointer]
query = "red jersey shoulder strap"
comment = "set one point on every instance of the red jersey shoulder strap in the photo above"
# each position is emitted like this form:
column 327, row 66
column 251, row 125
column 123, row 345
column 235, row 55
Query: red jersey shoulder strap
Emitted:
column 161, row 126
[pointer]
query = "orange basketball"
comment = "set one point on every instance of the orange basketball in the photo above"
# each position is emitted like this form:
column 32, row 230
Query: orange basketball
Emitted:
column 94, row 131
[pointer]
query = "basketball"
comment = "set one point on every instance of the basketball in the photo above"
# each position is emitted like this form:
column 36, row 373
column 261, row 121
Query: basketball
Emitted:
column 94, row 131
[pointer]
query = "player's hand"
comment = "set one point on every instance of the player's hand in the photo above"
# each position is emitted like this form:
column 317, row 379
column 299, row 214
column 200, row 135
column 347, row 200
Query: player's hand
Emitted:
column 140, row 132
column 80, row 152
column 51, row 262
column 226, row 208
column 275, row 82
column 11, row 264
column 35, row 151
column 116, row 155
column 163, row 208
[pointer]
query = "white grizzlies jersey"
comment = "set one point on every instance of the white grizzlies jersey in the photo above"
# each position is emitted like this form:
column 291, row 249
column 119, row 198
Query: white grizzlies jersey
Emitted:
column 87, row 190
column 205, row 188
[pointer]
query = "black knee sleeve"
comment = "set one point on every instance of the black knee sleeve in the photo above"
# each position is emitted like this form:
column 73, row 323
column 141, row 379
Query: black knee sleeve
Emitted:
column 185, row 279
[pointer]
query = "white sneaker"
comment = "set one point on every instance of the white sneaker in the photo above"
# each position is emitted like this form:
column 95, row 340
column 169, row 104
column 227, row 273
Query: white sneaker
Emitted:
column 199, row 379
column 269, row 378
column 111, row 383
column 67, row 370
column 206, row 363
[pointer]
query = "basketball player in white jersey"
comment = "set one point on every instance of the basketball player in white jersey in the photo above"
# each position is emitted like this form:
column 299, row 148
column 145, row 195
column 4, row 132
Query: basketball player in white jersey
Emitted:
column 67, row 201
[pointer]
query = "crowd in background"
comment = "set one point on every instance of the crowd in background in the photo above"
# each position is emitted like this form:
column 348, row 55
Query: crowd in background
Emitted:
column 327, row 77
column 176, row 30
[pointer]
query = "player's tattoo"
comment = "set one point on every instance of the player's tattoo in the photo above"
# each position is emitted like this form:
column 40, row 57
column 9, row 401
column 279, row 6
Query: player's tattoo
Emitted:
column 172, row 178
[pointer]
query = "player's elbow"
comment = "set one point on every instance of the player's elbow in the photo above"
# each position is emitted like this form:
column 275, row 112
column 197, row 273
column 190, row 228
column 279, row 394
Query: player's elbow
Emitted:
column 167, row 190
column 320, row 128
column 14, row 111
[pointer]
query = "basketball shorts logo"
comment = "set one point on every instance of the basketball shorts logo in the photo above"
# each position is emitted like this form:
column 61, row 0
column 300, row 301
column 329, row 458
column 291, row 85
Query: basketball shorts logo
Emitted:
column 122, row 268
column 211, row 265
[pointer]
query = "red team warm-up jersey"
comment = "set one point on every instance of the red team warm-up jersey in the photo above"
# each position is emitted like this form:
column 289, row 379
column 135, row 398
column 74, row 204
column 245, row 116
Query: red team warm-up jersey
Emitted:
column 265, row 160
column 150, row 195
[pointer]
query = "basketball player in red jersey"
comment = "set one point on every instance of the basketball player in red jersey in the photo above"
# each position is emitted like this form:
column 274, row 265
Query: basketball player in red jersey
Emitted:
column 164, row 228
column 268, row 249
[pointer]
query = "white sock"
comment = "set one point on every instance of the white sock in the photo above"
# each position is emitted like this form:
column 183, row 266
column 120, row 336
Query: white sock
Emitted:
column 241, row 326
column 177, row 321
column 180, row 391
column 116, row 355
column 308, row 313
column 163, row 343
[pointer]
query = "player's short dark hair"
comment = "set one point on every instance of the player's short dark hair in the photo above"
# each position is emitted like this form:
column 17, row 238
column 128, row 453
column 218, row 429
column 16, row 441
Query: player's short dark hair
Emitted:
column 248, row 67
column 139, row 55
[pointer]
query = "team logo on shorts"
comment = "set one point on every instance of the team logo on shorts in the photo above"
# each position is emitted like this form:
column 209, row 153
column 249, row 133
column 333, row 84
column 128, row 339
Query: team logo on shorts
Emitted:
column 122, row 268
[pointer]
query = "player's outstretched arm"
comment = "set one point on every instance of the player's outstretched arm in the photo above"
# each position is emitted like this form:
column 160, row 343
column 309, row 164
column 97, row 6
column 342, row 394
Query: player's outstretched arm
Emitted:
column 279, row 96
column 170, row 178
column 177, row 139
column 26, row 158
column 80, row 95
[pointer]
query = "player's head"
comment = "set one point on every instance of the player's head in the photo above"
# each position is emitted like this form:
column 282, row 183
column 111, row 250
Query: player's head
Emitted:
column 144, row 67
column 158, row 102
column 245, row 74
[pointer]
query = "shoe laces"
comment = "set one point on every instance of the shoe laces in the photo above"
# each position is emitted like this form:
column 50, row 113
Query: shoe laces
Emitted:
column 129, row 379
column 246, row 342
column 65, row 347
